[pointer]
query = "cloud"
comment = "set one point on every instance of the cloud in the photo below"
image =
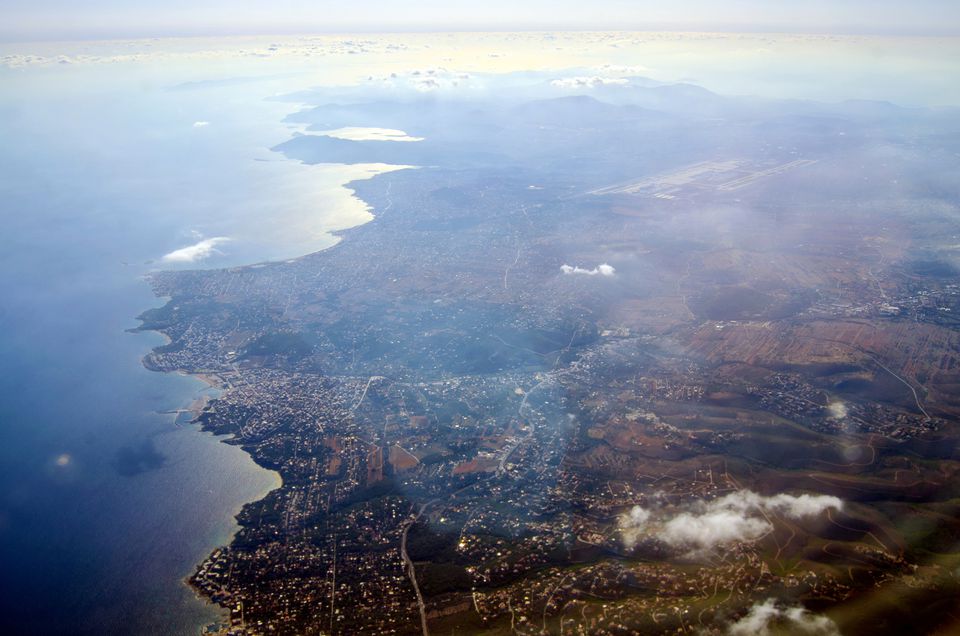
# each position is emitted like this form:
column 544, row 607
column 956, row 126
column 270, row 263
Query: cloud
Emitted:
column 201, row 124
column 632, row 525
column 121, row 51
column 603, row 269
column 771, row 617
column 425, row 80
column 792, row 506
column 196, row 252
column 711, row 529
column 837, row 410
column 739, row 517
column 802, row 506
column 589, row 82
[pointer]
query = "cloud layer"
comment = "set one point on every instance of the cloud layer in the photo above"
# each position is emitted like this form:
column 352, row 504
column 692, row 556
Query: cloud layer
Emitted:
column 196, row 252
column 735, row 518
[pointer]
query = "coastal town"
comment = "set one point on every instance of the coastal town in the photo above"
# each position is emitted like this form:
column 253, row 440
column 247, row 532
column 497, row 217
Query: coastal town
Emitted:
column 499, row 408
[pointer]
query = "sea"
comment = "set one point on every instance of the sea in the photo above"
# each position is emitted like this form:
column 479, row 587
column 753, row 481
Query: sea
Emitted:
column 121, row 158
column 109, row 497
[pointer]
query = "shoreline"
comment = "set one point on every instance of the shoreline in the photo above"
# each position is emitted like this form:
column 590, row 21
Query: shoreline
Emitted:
column 212, row 380
column 198, row 402
column 223, row 612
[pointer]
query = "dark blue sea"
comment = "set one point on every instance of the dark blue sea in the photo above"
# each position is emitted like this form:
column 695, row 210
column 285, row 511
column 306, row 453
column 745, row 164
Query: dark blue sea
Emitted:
column 107, row 502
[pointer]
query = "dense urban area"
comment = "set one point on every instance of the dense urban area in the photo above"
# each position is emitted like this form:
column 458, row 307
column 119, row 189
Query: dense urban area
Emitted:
column 597, row 368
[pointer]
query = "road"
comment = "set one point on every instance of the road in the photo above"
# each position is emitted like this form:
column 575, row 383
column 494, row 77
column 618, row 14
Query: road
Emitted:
column 411, row 570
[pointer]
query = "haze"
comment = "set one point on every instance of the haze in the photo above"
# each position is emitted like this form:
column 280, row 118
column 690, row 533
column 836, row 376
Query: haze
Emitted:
column 61, row 19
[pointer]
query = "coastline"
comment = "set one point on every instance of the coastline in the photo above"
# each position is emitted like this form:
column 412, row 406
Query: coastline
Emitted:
column 196, row 407
column 213, row 380
column 371, row 382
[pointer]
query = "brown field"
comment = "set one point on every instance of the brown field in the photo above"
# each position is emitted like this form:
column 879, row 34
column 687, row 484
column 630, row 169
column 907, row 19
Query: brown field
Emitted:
column 907, row 348
column 401, row 459
column 476, row 465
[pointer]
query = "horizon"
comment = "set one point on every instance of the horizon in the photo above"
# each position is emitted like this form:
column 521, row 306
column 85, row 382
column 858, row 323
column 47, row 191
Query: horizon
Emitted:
column 532, row 31
column 58, row 21
column 908, row 71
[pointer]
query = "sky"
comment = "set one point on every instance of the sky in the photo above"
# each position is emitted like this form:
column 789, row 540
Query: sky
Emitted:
column 27, row 20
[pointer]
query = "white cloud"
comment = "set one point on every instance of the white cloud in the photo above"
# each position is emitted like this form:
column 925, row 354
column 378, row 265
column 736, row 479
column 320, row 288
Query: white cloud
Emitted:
column 837, row 410
column 802, row 506
column 771, row 617
column 792, row 506
column 589, row 82
column 196, row 252
column 603, row 269
column 711, row 529
column 201, row 124
column 735, row 518
column 426, row 80
column 632, row 525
